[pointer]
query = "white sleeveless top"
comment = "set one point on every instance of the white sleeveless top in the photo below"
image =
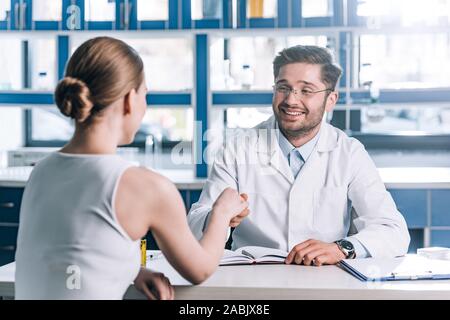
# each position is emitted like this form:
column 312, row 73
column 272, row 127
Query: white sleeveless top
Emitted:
column 70, row 243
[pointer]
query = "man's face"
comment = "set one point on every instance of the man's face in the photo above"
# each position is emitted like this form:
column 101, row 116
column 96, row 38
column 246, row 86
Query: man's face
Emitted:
column 299, row 112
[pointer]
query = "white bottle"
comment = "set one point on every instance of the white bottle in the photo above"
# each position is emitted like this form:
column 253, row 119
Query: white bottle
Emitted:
column 228, row 79
column 246, row 77
column 374, row 93
column 153, row 150
column 42, row 81
column 150, row 146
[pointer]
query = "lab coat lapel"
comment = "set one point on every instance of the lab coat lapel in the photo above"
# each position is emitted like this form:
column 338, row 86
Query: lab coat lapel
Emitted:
column 280, row 163
column 270, row 153
column 316, row 166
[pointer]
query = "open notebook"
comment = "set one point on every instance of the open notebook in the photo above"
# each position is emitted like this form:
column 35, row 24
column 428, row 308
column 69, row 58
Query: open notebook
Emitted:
column 253, row 254
column 409, row 267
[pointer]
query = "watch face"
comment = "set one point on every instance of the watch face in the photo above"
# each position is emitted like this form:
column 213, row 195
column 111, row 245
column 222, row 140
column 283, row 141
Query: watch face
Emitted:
column 347, row 245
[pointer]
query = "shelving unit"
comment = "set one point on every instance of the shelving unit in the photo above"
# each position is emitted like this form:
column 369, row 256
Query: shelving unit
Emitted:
column 343, row 25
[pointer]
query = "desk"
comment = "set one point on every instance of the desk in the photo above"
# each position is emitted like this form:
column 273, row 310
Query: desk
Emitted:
column 276, row 282
column 393, row 178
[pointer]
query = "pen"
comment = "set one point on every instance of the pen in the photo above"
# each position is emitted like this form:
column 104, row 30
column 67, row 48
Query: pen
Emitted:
column 405, row 276
column 143, row 253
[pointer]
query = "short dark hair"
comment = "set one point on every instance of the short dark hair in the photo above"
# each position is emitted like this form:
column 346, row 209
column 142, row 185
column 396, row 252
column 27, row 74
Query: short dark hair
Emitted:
column 331, row 71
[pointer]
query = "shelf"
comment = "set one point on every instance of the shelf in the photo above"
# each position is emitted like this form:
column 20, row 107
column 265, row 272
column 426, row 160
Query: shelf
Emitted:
column 30, row 98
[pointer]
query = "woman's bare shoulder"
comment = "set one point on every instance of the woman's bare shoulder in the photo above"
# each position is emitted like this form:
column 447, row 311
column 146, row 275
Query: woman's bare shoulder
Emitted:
column 143, row 182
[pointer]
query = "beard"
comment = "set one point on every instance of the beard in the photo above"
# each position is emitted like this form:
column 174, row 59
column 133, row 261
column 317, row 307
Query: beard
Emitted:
column 302, row 127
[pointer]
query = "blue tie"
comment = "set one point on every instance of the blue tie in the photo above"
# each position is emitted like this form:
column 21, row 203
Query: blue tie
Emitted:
column 295, row 162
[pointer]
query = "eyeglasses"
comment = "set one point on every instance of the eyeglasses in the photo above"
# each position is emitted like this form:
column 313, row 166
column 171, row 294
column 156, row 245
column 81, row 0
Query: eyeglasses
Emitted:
column 298, row 93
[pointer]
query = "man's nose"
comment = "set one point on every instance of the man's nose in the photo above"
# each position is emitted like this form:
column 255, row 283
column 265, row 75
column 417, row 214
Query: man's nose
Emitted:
column 292, row 98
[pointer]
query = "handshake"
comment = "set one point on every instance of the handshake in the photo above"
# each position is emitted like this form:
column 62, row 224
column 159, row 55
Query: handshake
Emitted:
column 233, row 205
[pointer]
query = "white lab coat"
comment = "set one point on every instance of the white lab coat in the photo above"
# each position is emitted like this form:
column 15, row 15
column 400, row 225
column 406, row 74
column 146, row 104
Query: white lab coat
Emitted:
column 338, row 193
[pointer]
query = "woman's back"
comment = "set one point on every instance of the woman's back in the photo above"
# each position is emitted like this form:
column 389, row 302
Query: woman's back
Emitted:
column 70, row 243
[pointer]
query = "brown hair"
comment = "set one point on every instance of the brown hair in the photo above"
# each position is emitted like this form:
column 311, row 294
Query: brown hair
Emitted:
column 99, row 72
column 311, row 55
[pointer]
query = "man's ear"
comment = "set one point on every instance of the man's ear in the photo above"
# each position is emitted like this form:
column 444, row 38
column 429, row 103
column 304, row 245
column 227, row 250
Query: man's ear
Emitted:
column 331, row 101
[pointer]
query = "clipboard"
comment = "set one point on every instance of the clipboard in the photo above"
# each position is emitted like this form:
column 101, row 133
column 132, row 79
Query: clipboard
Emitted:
column 409, row 267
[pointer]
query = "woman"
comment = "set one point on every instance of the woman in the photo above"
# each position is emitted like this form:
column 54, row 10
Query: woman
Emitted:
column 85, row 209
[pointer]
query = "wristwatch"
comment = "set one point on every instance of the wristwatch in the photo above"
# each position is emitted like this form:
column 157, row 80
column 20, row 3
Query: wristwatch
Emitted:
column 347, row 248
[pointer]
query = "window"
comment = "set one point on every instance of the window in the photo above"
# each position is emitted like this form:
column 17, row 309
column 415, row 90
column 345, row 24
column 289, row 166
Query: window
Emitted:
column 168, row 63
column 224, row 122
column 405, row 60
column 149, row 10
column 50, row 125
column 206, row 9
column 248, row 62
column 47, row 10
column 405, row 120
column 317, row 8
column 261, row 8
column 100, row 10
column 43, row 71
column 42, row 67
column 158, row 55
column 10, row 128
column 405, row 12
column 10, row 64
column 5, row 9
column 168, row 125
column 246, row 117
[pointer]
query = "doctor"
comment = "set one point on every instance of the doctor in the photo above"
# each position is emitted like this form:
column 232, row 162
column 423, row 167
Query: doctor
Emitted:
column 313, row 191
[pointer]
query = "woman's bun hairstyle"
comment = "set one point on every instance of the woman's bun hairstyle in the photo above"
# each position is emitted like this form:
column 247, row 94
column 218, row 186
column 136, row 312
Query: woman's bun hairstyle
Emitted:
column 73, row 98
column 101, row 71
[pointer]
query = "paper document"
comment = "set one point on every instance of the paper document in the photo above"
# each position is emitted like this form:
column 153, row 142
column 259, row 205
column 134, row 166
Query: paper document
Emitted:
column 409, row 267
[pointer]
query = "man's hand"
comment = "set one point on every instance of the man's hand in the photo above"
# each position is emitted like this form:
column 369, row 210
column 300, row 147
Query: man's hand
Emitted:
column 154, row 285
column 237, row 219
column 230, row 204
column 315, row 252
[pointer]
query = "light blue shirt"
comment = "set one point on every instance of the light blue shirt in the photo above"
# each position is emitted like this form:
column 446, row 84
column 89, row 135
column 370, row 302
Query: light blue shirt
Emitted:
column 296, row 158
column 300, row 154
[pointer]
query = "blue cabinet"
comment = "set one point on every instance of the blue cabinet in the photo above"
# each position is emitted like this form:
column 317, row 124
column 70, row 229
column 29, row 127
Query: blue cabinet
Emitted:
column 184, row 195
column 10, row 199
column 193, row 197
column 7, row 256
column 417, row 240
column 440, row 238
column 190, row 197
column 440, row 207
column 413, row 206
column 8, row 236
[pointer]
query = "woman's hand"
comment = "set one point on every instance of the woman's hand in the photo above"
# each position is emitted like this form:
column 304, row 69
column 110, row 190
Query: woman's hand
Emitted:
column 154, row 285
column 238, row 219
column 232, row 205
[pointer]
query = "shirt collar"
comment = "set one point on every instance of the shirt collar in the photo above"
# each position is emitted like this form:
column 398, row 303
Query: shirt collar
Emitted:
column 304, row 150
